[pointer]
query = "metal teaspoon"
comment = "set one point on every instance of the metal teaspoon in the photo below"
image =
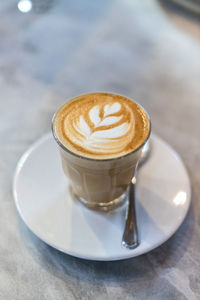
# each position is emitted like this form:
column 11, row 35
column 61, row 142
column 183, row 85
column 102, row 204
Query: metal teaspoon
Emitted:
column 130, row 238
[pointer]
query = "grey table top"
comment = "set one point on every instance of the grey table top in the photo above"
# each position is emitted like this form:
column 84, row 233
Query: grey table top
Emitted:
column 63, row 48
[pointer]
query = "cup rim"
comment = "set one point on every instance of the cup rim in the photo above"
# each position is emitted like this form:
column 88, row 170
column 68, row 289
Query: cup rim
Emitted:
column 98, row 159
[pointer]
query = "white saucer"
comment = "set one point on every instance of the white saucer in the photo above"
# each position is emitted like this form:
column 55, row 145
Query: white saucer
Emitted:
column 44, row 202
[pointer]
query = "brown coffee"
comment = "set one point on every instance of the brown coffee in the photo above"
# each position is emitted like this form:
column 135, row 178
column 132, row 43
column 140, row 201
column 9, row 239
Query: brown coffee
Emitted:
column 100, row 137
column 101, row 125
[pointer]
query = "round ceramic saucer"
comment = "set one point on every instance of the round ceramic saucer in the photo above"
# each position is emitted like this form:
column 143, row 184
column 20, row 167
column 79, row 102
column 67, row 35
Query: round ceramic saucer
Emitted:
column 44, row 202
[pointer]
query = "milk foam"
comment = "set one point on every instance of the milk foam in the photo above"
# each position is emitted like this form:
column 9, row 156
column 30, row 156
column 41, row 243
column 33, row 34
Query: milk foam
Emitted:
column 99, row 124
column 107, row 132
column 95, row 118
column 101, row 139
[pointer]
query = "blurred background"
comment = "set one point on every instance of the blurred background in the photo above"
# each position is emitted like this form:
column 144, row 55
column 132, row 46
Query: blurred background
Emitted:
column 52, row 50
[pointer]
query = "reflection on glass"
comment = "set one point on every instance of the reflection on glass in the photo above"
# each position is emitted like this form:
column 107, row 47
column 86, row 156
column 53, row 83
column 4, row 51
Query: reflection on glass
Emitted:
column 180, row 198
column 25, row 5
column 133, row 180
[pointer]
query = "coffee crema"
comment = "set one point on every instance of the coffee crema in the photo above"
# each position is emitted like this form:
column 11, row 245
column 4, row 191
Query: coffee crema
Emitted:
column 101, row 125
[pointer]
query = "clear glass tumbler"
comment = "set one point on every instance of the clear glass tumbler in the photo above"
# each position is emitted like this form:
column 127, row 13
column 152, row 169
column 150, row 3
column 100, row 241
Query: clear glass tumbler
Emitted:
column 99, row 183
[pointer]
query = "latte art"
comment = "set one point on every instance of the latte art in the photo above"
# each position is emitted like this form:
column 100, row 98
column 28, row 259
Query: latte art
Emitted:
column 101, row 125
column 103, row 128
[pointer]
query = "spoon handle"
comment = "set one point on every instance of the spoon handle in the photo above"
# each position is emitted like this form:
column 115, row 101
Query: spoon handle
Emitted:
column 130, row 236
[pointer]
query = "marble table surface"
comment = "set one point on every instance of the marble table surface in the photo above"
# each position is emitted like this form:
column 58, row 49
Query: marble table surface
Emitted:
column 147, row 50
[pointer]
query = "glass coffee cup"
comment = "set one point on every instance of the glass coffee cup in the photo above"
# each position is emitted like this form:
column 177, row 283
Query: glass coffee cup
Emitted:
column 100, row 177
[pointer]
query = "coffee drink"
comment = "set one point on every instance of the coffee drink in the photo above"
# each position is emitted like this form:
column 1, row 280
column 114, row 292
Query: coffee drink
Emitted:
column 101, row 137
column 101, row 125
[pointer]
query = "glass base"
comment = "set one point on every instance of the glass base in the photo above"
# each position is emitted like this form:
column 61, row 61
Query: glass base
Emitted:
column 106, row 206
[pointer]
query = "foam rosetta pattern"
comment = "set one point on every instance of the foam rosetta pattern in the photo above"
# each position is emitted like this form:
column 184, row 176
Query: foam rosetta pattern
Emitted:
column 98, row 125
